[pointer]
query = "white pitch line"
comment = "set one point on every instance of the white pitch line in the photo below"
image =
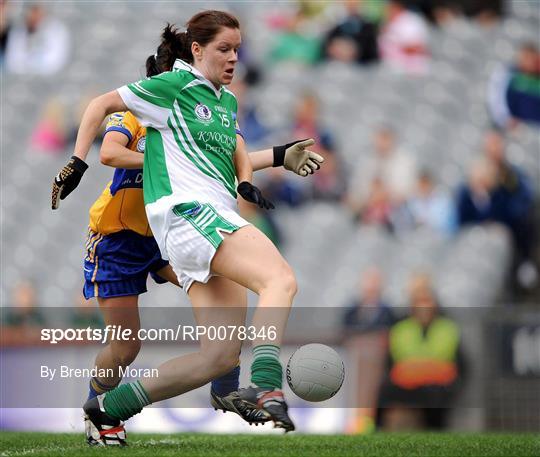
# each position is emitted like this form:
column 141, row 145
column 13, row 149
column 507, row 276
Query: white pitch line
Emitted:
column 34, row 450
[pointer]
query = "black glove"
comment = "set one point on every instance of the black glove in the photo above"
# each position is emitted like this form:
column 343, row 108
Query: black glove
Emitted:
column 253, row 194
column 67, row 180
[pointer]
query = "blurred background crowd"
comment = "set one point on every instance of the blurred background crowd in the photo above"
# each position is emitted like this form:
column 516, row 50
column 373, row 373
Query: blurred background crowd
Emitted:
column 427, row 113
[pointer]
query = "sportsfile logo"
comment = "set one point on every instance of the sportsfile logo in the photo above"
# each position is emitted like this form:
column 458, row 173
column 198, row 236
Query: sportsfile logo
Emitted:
column 180, row 333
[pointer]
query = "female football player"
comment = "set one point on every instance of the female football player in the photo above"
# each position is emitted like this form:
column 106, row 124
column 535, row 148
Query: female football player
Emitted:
column 121, row 250
column 193, row 158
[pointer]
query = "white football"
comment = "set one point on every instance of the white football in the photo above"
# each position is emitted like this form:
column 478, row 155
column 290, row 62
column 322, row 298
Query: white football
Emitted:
column 315, row 372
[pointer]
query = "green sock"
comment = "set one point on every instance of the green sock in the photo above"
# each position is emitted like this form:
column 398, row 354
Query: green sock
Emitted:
column 126, row 400
column 266, row 370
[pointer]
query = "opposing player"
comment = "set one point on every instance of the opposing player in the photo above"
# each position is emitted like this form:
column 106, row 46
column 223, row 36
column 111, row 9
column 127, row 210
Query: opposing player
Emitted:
column 121, row 252
column 191, row 162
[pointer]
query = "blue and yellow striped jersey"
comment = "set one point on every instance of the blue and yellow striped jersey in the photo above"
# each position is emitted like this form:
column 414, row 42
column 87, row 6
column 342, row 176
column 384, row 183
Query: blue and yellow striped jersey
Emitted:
column 121, row 204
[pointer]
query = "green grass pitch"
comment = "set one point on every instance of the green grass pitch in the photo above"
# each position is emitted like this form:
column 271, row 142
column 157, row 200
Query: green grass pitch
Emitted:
column 190, row 445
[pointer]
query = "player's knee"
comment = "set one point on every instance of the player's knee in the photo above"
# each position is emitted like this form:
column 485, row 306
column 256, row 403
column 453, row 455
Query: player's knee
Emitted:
column 284, row 280
column 124, row 354
column 289, row 282
column 227, row 364
column 222, row 363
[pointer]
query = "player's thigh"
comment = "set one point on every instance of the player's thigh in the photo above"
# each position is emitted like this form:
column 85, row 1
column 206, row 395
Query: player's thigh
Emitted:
column 218, row 292
column 249, row 258
column 168, row 274
column 220, row 306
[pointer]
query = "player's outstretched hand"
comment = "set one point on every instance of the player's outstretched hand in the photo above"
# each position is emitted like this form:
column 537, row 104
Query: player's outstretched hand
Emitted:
column 295, row 157
column 253, row 194
column 67, row 180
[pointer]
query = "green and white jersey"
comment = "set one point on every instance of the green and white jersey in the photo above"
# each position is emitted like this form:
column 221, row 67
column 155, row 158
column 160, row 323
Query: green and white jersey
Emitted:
column 190, row 142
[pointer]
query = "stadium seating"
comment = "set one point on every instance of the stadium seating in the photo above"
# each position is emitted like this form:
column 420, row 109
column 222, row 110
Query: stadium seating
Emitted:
column 440, row 118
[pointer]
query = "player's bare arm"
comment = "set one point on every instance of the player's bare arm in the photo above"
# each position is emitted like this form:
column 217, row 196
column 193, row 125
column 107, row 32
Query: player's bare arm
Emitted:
column 115, row 153
column 97, row 110
column 242, row 164
column 244, row 174
column 69, row 177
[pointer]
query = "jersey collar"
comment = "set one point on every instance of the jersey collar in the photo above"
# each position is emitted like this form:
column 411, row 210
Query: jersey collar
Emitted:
column 181, row 65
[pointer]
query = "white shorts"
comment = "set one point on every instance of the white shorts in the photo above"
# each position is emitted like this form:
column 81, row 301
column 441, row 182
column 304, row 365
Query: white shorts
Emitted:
column 195, row 233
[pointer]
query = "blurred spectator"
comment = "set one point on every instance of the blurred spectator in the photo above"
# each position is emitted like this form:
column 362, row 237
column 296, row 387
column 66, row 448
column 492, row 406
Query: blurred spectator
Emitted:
column 40, row 46
column 5, row 26
column 353, row 39
column 373, row 11
column 514, row 90
column 329, row 182
column 260, row 219
column 366, row 323
column 484, row 11
column 377, row 208
column 425, row 364
column 445, row 13
column 475, row 198
column 49, row 135
column 439, row 12
column 511, row 180
column 513, row 207
column 498, row 191
column 431, row 208
column 313, row 9
column 24, row 311
column 294, row 44
column 85, row 313
column 394, row 168
column 403, row 41
column 368, row 311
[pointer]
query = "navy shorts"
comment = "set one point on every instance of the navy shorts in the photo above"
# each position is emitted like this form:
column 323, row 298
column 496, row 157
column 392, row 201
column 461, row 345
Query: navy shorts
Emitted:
column 118, row 264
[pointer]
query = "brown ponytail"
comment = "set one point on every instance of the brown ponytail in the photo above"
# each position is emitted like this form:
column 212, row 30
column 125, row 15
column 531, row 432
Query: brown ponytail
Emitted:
column 168, row 51
column 151, row 66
